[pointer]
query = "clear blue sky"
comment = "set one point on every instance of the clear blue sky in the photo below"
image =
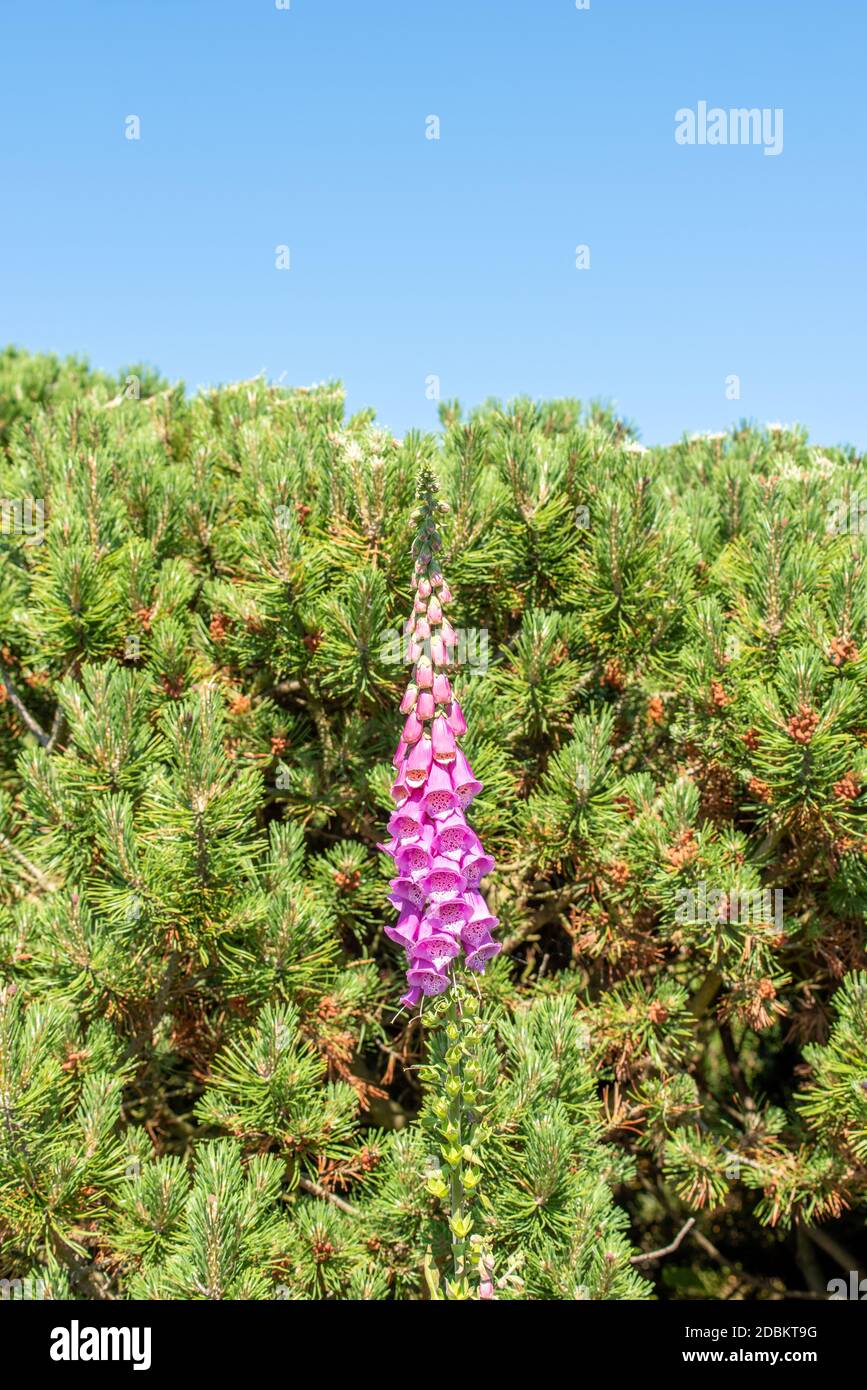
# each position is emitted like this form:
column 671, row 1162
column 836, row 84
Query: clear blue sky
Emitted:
column 412, row 257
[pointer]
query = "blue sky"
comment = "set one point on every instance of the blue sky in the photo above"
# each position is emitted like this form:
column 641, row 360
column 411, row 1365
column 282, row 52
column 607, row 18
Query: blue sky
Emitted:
column 456, row 258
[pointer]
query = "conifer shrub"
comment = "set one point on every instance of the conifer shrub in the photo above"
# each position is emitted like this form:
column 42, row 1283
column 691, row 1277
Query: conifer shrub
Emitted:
column 209, row 1086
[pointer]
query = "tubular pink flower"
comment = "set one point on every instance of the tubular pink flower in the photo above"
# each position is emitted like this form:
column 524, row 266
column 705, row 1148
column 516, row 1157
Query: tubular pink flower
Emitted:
column 475, row 934
column 399, row 754
column 453, row 836
column 425, row 706
column 406, row 928
column 424, row 673
column 438, row 650
column 399, row 789
column 418, row 763
column 442, row 690
column 437, row 946
column 439, row 797
column 405, row 890
column 480, row 923
column 428, row 981
column 434, row 610
column 413, row 728
column 450, row 916
column 477, row 960
column 443, row 740
column 414, row 858
column 442, row 879
column 410, row 695
column 407, row 819
column 475, row 866
column 457, row 723
column 465, row 784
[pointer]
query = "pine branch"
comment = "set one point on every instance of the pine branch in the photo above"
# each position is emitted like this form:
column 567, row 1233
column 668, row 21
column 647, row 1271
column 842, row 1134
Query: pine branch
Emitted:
column 32, row 724
column 316, row 1190
column 666, row 1249
column 48, row 885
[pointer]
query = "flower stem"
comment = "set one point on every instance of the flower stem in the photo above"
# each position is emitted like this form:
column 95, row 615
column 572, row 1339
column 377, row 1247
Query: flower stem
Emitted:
column 455, row 1089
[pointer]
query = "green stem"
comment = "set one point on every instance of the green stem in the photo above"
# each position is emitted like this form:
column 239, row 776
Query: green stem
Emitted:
column 454, row 1058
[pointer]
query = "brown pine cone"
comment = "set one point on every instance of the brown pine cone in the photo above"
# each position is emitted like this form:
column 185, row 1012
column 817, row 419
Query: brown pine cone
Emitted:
column 617, row 872
column 683, row 851
column 759, row 789
column 613, row 674
column 848, row 787
column 717, row 787
column 802, row 726
column 655, row 710
column 842, row 649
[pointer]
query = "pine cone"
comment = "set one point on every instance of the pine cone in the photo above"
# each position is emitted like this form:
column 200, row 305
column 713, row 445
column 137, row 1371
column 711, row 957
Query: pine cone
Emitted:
column 145, row 617
column 617, row 872
column 848, row 788
column 655, row 710
column 683, row 851
column 613, row 674
column 842, row 649
column 717, row 786
column 802, row 726
column 759, row 789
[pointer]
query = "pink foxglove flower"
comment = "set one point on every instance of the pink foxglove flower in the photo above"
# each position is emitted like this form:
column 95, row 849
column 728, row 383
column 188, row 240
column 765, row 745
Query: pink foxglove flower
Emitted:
column 439, row 860
column 442, row 691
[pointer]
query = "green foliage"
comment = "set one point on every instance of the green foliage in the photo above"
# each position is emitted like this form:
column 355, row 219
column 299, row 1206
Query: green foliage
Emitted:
column 206, row 1089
